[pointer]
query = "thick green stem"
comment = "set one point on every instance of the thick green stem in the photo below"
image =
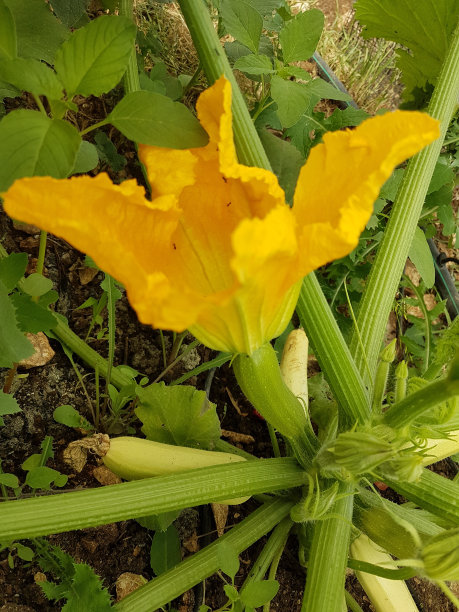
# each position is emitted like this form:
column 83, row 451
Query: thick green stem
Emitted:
column 415, row 405
column 433, row 493
column 328, row 557
column 260, row 379
column 392, row 254
column 30, row 518
column 332, row 352
column 215, row 64
column 173, row 583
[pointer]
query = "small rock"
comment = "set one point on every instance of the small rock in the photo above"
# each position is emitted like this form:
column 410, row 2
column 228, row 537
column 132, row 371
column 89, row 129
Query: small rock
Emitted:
column 27, row 228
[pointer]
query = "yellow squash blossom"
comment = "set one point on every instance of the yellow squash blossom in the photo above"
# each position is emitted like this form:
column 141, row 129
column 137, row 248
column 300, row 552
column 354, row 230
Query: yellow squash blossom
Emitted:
column 217, row 250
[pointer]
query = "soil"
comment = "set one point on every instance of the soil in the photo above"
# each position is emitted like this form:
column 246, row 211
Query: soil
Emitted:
column 112, row 550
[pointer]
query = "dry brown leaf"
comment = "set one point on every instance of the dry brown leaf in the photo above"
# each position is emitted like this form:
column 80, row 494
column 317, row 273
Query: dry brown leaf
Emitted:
column 43, row 351
column 127, row 583
column 76, row 453
column 26, row 227
column 220, row 512
column 105, row 476
column 237, row 438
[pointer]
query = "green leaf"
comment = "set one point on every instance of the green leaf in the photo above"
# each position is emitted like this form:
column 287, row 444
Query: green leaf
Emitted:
column 42, row 477
column 349, row 117
column 286, row 161
column 108, row 153
column 259, row 593
column 178, row 415
column 39, row 34
column 12, row 268
column 31, row 75
column 36, row 284
column 254, row 64
column 86, row 592
column 87, row 158
column 8, row 45
column 153, row 119
column 31, row 316
column 165, row 552
column 14, row 346
column 300, row 35
column 442, row 175
column 70, row 12
column 265, row 7
column 24, row 552
column 242, row 21
column 320, row 88
column 421, row 257
column 228, row 559
column 158, row 522
column 390, row 187
column 9, row 480
column 32, row 144
column 67, row 415
column 426, row 31
column 291, row 98
column 8, row 404
column 95, row 57
column 231, row 592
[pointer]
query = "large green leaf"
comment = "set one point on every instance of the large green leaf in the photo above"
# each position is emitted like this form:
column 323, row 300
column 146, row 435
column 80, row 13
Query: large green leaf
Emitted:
column 300, row 35
column 321, row 89
column 425, row 27
column 32, row 144
column 70, row 12
column 12, row 268
column 14, row 346
column 254, row 64
column 286, row 161
column 421, row 257
column 178, row 415
column 8, row 45
column 95, row 57
column 31, row 75
column 242, row 21
column 39, row 33
column 31, row 316
column 291, row 98
column 154, row 119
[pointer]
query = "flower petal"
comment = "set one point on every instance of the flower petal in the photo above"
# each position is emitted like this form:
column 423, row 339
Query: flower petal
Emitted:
column 342, row 177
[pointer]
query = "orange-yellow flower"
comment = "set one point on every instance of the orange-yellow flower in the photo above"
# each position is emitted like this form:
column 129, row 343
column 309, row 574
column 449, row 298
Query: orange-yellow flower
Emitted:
column 217, row 250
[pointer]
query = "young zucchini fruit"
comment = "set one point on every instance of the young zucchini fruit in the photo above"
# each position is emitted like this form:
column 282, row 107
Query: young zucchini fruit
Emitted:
column 135, row 458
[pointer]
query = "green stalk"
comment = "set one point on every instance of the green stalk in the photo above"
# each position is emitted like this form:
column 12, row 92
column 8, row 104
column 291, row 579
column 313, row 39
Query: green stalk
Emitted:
column 415, row 405
column 328, row 557
column 260, row 379
column 131, row 78
column 332, row 352
column 392, row 254
column 274, row 545
column 204, row 563
column 30, row 518
column 433, row 493
column 215, row 64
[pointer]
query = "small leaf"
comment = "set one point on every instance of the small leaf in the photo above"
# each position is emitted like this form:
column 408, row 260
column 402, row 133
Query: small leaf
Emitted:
column 9, row 480
column 86, row 592
column 242, row 21
column 8, row 46
column 31, row 316
column 259, row 593
column 165, row 550
column 31, row 75
column 70, row 12
column 108, row 153
column 421, row 257
column 67, row 415
column 36, row 284
column 12, row 268
column 95, row 57
column 153, row 119
column 32, row 144
column 231, row 592
column 87, row 158
column 178, row 415
column 254, row 64
column 291, row 98
column 300, row 35
column 14, row 346
column 8, row 404
column 24, row 552
column 228, row 559
column 41, row 477
column 158, row 522
column 320, row 88
column 286, row 161
column 39, row 34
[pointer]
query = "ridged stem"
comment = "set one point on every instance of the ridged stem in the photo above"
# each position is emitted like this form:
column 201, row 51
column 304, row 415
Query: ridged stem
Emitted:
column 204, row 563
column 387, row 269
column 328, row 557
column 30, row 518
